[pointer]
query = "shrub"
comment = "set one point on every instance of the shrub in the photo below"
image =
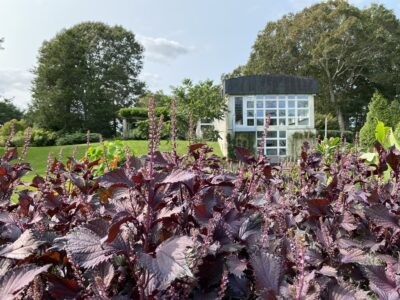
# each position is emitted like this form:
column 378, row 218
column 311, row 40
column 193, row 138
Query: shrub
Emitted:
column 379, row 110
column 19, row 125
column 348, row 135
column 142, row 112
column 76, row 138
column 41, row 137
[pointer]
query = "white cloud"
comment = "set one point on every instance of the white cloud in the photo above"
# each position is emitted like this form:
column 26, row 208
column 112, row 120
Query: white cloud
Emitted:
column 152, row 80
column 16, row 84
column 161, row 49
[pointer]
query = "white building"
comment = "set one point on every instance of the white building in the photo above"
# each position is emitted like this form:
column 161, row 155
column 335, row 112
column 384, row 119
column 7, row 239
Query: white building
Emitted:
column 289, row 100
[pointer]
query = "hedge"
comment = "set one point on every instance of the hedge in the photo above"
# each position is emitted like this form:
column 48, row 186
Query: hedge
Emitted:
column 349, row 135
column 142, row 112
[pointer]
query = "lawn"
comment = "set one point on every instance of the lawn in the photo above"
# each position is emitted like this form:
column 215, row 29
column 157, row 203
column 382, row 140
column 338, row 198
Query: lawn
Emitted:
column 37, row 156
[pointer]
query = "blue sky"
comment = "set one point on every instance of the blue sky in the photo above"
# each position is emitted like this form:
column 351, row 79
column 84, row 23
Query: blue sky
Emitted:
column 182, row 38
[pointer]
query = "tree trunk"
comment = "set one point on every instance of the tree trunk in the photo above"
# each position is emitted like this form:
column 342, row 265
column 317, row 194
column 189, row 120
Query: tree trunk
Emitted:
column 338, row 109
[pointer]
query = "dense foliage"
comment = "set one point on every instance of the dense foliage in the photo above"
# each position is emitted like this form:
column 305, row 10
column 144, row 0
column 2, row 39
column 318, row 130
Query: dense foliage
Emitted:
column 347, row 49
column 379, row 109
column 84, row 75
column 179, row 227
column 9, row 111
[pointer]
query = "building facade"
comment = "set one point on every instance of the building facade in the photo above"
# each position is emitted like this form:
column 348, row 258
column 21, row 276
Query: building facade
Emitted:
column 289, row 101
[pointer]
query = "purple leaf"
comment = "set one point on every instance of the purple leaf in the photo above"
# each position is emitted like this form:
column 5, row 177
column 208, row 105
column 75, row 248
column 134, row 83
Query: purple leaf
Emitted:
column 120, row 218
column 267, row 271
column 244, row 155
column 114, row 178
column 341, row 293
column 379, row 282
column 84, row 246
column 348, row 222
column 10, row 154
column 23, row 247
column 171, row 260
column 236, row 266
column 181, row 176
column 352, row 255
column 380, row 215
column 17, row 278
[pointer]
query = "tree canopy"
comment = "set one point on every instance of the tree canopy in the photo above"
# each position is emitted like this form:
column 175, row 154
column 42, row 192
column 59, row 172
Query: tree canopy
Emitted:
column 379, row 109
column 84, row 75
column 203, row 100
column 9, row 111
column 348, row 50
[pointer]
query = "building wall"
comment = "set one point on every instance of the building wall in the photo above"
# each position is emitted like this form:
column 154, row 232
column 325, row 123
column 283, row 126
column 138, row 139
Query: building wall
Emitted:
column 229, row 126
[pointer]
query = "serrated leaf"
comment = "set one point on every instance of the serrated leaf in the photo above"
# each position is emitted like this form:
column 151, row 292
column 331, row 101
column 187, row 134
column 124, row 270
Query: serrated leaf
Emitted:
column 341, row 293
column 182, row 176
column 379, row 282
column 23, row 247
column 120, row 218
column 83, row 245
column 170, row 262
column 352, row 255
column 236, row 266
column 381, row 216
column 267, row 271
column 17, row 278
column 115, row 178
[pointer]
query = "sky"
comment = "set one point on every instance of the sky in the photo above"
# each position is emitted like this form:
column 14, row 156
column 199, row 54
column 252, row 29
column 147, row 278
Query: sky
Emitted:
column 182, row 38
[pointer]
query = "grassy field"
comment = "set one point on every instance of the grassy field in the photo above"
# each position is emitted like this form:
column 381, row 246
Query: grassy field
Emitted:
column 37, row 156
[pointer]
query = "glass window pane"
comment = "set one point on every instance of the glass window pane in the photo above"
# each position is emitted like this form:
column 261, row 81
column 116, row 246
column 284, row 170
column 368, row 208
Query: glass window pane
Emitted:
column 260, row 134
column 282, row 143
column 272, row 113
column 281, row 97
column 302, row 113
column 282, row 104
column 260, row 122
column 260, row 97
column 271, row 143
column 270, row 104
column 271, row 97
column 302, row 104
column 291, row 113
column 305, row 97
column 272, row 134
column 250, row 122
column 303, row 121
column 291, row 121
column 250, row 113
column 282, row 113
column 282, row 152
column 282, row 121
column 260, row 114
column 250, row 104
column 282, row 134
column 273, row 122
column 260, row 104
column 291, row 104
column 291, row 97
column 272, row 151
column 239, row 110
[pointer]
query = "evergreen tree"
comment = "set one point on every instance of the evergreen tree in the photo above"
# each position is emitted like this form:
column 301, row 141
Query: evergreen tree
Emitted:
column 378, row 110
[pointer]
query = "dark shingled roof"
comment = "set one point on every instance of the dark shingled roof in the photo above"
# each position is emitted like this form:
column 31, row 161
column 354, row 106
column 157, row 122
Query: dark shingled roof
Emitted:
column 270, row 85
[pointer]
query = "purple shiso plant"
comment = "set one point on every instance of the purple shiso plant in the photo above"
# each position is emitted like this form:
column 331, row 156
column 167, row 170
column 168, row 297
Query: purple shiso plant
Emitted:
column 186, row 226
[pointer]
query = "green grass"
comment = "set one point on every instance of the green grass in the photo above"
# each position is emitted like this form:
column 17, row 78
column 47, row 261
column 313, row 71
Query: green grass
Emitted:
column 37, row 156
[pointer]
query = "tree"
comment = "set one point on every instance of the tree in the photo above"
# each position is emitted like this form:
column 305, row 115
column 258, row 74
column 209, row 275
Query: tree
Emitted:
column 84, row 75
column 9, row 111
column 378, row 110
column 203, row 101
column 348, row 50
